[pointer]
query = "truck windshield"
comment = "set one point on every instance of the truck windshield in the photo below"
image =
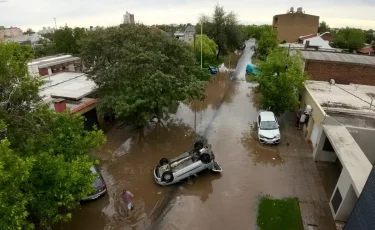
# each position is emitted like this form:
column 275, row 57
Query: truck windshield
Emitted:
column 268, row 125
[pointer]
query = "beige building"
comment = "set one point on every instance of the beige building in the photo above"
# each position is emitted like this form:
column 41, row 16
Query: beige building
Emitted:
column 292, row 25
column 340, row 129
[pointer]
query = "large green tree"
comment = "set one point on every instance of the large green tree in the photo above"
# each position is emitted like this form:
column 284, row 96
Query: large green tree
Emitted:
column 43, row 153
column 140, row 72
column 281, row 77
column 209, row 48
column 350, row 38
column 224, row 29
column 267, row 42
column 323, row 27
column 67, row 40
column 369, row 36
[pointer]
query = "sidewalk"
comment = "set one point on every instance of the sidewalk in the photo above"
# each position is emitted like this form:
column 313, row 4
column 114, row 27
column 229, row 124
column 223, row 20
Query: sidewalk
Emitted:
column 308, row 186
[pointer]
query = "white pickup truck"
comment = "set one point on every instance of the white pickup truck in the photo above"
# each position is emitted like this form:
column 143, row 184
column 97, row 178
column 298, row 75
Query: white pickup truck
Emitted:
column 187, row 164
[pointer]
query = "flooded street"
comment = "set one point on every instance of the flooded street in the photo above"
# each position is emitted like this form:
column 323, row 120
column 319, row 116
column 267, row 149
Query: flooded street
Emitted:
column 210, row 201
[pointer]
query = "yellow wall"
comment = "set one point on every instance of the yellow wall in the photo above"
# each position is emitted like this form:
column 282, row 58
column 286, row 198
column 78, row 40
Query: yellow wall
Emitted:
column 317, row 111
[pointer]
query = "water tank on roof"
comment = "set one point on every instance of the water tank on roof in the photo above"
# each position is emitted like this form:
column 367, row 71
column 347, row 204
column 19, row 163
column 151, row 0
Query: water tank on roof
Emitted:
column 299, row 10
column 291, row 10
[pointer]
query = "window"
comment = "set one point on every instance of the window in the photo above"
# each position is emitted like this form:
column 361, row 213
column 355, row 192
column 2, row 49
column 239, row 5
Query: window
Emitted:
column 268, row 125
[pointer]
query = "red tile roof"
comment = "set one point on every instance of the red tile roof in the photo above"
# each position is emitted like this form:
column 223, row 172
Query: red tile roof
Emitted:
column 307, row 36
column 366, row 50
column 84, row 105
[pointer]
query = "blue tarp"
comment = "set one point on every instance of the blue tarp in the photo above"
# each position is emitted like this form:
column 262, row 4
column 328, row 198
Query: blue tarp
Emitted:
column 252, row 69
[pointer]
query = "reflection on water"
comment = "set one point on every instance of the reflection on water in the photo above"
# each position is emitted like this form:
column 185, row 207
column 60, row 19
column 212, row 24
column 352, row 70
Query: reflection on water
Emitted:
column 261, row 153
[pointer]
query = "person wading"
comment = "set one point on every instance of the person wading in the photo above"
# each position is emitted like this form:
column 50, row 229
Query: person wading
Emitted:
column 127, row 197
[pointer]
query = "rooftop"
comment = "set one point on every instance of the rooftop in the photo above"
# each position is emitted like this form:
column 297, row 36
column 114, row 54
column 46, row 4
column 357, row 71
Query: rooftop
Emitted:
column 351, row 120
column 351, row 99
column 350, row 155
column 338, row 57
column 67, row 85
column 53, row 60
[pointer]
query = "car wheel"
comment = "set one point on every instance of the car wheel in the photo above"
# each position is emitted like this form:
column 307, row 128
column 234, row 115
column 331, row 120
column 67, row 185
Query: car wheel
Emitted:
column 198, row 145
column 167, row 176
column 205, row 158
column 163, row 161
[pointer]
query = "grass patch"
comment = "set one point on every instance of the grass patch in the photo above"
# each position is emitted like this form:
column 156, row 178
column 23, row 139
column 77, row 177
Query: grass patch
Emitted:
column 283, row 214
column 250, row 77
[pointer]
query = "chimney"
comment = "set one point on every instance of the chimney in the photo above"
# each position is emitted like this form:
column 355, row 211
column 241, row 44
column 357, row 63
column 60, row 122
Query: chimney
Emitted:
column 59, row 104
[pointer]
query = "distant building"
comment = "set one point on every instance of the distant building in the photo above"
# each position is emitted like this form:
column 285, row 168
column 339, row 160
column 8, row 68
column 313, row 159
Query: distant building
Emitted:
column 316, row 40
column 128, row 18
column 10, row 32
column 25, row 38
column 54, row 64
column 292, row 25
column 187, row 35
column 46, row 30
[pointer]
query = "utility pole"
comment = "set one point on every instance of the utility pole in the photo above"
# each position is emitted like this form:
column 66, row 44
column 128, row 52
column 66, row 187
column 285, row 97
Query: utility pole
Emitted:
column 55, row 24
column 202, row 45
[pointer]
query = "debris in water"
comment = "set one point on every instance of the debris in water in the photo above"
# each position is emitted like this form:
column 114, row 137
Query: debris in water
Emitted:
column 273, row 158
column 159, row 193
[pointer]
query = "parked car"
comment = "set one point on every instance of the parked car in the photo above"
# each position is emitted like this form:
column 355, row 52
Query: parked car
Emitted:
column 268, row 128
column 98, row 184
column 187, row 164
column 213, row 70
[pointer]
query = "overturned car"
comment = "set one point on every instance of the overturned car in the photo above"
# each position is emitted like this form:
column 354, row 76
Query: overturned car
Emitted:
column 187, row 164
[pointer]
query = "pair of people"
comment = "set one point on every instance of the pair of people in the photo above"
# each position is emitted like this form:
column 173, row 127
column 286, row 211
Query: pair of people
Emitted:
column 301, row 119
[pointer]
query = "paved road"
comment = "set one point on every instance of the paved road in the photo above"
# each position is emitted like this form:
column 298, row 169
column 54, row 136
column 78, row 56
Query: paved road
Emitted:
column 210, row 201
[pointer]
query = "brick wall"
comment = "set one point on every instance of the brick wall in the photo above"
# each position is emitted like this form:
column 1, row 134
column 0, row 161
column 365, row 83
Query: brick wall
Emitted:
column 342, row 73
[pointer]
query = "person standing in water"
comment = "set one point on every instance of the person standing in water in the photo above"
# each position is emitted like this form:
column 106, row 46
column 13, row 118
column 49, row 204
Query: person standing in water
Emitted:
column 127, row 197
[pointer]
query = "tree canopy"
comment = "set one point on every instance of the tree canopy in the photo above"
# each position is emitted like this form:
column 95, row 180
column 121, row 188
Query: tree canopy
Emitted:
column 44, row 159
column 266, row 43
column 280, row 79
column 254, row 31
column 67, row 40
column 224, row 29
column 323, row 27
column 209, row 48
column 350, row 38
column 140, row 72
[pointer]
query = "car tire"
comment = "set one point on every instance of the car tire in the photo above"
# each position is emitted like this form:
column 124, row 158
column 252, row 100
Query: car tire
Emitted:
column 205, row 158
column 198, row 145
column 167, row 176
column 163, row 161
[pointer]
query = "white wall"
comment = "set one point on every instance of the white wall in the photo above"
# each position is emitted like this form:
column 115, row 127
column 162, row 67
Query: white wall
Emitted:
column 319, row 154
column 365, row 138
column 71, row 67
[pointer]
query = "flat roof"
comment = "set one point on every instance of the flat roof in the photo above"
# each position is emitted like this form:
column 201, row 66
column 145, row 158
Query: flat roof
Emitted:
column 67, row 85
column 53, row 60
column 338, row 57
column 350, row 155
column 355, row 99
column 351, row 120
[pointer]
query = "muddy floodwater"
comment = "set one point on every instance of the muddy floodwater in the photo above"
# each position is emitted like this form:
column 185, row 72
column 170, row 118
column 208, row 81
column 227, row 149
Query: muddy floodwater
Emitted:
column 210, row 201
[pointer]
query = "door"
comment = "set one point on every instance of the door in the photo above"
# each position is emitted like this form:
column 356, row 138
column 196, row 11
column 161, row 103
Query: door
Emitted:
column 314, row 134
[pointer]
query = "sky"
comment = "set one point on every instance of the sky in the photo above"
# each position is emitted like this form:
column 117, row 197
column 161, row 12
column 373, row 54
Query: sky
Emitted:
column 36, row 14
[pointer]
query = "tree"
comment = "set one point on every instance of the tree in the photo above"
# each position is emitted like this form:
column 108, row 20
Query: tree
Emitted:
column 67, row 40
column 254, row 31
column 44, row 154
column 323, row 27
column 29, row 31
column 223, row 28
column 280, row 78
column 369, row 36
column 350, row 38
column 267, row 42
column 209, row 50
column 140, row 72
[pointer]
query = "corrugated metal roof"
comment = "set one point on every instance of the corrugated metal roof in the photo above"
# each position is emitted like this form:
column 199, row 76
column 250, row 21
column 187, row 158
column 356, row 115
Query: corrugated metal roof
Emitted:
column 338, row 57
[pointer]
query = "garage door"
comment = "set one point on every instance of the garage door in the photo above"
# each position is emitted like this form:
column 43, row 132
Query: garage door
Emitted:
column 314, row 134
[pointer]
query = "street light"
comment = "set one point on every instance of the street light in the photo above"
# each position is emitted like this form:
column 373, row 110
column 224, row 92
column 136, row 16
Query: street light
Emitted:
column 201, row 44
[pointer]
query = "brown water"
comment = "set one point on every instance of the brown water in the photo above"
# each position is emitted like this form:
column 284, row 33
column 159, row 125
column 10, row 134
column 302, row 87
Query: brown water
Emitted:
column 209, row 201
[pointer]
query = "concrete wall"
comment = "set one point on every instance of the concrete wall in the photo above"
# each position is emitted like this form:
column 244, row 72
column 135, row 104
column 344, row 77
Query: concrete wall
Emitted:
column 365, row 139
column 71, row 67
column 317, row 112
column 349, row 197
column 343, row 73
column 319, row 154
column 291, row 26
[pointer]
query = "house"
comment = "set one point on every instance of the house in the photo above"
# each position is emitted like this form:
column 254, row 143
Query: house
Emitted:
column 343, row 67
column 54, row 64
column 74, row 91
column 292, row 25
column 320, row 41
column 10, row 32
column 187, row 35
column 341, row 129
column 366, row 51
